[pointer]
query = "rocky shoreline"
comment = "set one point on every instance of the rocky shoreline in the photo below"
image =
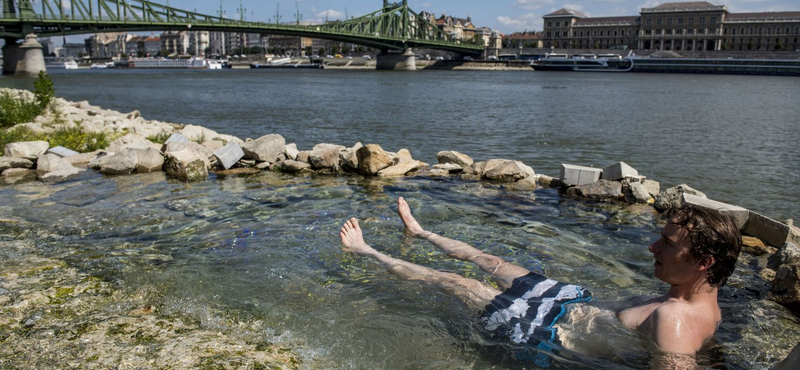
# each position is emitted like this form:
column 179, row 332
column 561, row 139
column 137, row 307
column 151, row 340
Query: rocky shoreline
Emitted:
column 191, row 153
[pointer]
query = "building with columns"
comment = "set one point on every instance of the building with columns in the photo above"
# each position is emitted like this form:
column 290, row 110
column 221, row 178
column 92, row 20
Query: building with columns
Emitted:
column 682, row 26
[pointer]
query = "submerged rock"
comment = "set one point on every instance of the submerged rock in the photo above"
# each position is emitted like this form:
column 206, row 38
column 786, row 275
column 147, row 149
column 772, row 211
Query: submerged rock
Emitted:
column 402, row 168
column 294, row 166
column 600, row 190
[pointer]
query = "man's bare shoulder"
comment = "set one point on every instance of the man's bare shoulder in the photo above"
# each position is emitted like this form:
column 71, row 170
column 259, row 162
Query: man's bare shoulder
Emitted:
column 678, row 326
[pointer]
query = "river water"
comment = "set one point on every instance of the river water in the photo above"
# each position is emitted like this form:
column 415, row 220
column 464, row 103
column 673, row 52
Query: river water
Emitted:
column 263, row 249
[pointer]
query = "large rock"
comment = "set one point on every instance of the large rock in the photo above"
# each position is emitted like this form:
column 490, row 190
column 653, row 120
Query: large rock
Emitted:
column 348, row 159
column 449, row 156
column 265, row 149
column 200, row 150
column 293, row 166
column 29, row 150
column 63, row 174
column 12, row 162
column 121, row 163
column 510, row 171
column 228, row 155
column 635, row 192
column 50, row 163
column 403, row 155
column 291, row 151
column 771, row 231
column 83, row 159
column 738, row 214
column 402, row 168
column 619, row 171
column 325, row 156
column 673, row 197
column 579, row 175
column 601, row 190
column 100, row 159
column 371, row 159
column 786, row 286
column 148, row 160
column 130, row 141
column 186, row 164
column 653, row 187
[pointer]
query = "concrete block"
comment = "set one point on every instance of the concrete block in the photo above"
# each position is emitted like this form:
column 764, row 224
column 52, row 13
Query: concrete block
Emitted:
column 619, row 171
column 229, row 155
column 176, row 138
column 62, row 151
column 738, row 214
column 770, row 231
column 579, row 175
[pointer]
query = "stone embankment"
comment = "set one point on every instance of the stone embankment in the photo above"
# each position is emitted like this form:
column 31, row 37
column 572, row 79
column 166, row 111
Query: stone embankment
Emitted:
column 191, row 153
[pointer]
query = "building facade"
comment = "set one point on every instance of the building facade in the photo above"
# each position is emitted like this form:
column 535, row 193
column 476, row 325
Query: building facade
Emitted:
column 684, row 26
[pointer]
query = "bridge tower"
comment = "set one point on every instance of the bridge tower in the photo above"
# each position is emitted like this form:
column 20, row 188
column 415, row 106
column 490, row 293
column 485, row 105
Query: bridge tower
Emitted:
column 25, row 58
column 396, row 60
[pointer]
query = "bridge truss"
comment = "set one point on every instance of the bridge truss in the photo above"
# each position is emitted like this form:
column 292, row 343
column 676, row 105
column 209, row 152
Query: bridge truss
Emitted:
column 392, row 27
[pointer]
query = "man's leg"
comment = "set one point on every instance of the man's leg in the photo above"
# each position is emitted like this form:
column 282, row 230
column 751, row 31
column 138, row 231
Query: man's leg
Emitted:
column 474, row 293
column 502, row 271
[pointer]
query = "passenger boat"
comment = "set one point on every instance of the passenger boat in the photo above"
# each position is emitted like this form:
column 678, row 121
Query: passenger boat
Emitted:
column 102, row 65
column 716, row 66
column 582, row 64
column 66, row 64
column 168, row 63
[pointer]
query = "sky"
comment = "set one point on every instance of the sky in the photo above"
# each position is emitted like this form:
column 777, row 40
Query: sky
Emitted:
column 507, row 16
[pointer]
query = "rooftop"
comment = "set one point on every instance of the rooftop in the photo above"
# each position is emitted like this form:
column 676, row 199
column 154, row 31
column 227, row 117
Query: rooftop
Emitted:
column 763, row 16
column 684, row 6
column 567, row 12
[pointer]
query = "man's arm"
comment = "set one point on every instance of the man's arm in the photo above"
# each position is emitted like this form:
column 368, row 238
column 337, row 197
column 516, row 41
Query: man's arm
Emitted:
column 674, row 331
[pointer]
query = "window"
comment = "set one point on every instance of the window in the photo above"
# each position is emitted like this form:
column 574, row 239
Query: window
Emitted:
column 691, row 31
column 769, row 30
column 713, row 20
column 595, row 33
column 581, row 33
column 680, row 20
column 601, row 33
column 734, row 31
column 669, row 20
column 630, row 32
column 760, row 29
column 548, row 34
column 702, row 20
column 752, row 30
column 669, row 32
column 658, row 20
column 691, row 20
column 648, row 21
column 558, row 24
column 615, row 33
column 647, row 32
column 549, row 24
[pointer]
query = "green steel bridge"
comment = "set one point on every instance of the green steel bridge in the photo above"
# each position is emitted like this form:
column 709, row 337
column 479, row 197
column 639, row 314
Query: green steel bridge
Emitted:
column 393, row 27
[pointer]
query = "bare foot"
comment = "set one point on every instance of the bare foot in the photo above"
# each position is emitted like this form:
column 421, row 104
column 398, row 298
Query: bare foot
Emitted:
column 352, row 237
column 412, row 227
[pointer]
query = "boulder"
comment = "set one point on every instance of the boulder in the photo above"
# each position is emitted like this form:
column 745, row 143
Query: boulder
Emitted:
column 291, row 151
column 302, row 156
column 265, row 149
column 99, row 160
column 62, row 151
column 186, row 164
column 786, row 286
column 371, row 159
column 84, row 159
column 130, row 141
column 510, row 171
column 202, row 135
column 653, row 187
column 673, row 197
column 478, row 169
column 12, row 162
column 293, row 166
column 148, row 160
column 527, row 183
column 228, row 155
column 619, row 171
column 738, row 214
column 50, row 163
column 548, row 182
column 325, row 156
column 202, row 151
column 454, row 157
column 214, row 144
column 122, row 163
column 579, row 175
column 402, row 168
column 404, row 155
column 449, row 167
column 601, row 190
column 635, row 192
column 769, row 230
column 63, row 174
column 29, row 150
column 348, row 159
column 176, row 138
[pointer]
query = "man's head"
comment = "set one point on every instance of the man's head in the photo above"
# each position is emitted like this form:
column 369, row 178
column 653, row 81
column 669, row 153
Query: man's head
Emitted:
column 696, row 242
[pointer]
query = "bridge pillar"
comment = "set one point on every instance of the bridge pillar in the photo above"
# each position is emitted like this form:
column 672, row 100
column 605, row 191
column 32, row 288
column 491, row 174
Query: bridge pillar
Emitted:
column 394, row 61
column 23, row 59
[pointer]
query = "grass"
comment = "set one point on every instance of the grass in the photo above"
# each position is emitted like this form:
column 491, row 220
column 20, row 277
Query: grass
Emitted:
column 159, row 139
column 73, row 138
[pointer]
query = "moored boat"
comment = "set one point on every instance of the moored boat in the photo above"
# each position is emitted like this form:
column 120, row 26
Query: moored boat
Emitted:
column 66, row 64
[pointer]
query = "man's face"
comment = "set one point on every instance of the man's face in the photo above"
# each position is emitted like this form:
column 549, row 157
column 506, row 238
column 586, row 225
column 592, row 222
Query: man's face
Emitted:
column 674, row 263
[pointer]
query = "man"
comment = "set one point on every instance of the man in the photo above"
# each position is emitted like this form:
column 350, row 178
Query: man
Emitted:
column 695, row 255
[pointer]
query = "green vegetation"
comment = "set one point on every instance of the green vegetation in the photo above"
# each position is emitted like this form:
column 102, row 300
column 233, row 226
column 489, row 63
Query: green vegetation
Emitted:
column 160, row 138
column 73, row 138
column 15, row 110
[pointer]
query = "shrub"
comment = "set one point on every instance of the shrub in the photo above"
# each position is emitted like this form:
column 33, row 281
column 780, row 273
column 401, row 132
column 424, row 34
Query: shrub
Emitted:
column 20, row 109
column 73, row 138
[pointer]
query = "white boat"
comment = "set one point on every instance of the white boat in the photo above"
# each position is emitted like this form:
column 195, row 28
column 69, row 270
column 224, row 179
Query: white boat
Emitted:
column 67, row 64
column 582, row 65
column 167, row 63
column 98, row 66
column 214, row 64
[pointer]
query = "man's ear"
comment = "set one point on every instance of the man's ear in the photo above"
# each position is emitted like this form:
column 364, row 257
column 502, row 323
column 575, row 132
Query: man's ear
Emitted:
column 705, row 263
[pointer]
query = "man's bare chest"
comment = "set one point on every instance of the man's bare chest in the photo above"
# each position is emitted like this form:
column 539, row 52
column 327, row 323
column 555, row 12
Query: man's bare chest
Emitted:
column 634, row 317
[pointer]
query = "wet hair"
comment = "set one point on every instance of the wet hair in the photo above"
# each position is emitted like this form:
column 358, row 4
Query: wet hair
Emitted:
column 711, row 234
